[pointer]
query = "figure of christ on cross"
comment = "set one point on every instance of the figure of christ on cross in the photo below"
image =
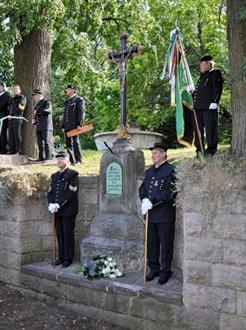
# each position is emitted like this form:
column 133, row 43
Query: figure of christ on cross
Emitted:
column 120, row 58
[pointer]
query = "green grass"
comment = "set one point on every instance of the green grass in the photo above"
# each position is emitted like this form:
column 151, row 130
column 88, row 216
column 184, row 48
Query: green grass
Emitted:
column 91, row 161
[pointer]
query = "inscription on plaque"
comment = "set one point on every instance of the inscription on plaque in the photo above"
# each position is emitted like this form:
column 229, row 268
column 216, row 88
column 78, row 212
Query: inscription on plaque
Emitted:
column 114, row 179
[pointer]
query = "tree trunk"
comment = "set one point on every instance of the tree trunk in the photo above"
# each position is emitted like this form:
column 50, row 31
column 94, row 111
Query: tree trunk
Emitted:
column 32, row 69
column 237, row 53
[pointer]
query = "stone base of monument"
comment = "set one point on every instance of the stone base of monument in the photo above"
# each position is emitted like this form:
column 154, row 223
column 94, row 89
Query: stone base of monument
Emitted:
column 117, row 231
column 11, row 160
column 118, row 236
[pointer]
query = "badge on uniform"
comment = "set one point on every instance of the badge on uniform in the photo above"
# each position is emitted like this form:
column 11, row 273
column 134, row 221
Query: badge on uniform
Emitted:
column 161, row 185
column 73, row 188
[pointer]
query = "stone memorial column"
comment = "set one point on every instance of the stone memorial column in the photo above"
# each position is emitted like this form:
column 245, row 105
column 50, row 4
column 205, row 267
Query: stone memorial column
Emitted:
column 117, row 231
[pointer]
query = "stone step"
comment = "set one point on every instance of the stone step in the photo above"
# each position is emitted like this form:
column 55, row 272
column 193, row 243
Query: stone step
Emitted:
column 123, row 301
column 127, row 253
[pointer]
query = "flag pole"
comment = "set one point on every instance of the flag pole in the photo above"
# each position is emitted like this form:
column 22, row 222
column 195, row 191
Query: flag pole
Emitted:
column 194, row 111
column 198, row 130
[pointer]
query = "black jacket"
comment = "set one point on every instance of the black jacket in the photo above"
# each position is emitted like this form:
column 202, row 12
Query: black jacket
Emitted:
column 64, row 191
column 208, row 89
column 158, row 186
column 4, row 103
column 43, row 116
column 17, row 105
column 73, row 113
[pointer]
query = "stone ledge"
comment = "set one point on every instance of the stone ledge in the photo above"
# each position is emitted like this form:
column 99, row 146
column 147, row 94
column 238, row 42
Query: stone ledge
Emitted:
column 131, row 284
column 122, row 301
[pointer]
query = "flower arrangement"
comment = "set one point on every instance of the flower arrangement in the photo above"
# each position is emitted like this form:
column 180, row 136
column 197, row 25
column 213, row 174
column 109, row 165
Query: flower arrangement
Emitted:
column 98, row 267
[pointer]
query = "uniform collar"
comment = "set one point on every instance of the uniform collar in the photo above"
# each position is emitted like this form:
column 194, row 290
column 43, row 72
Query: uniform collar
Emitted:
column 161, row 164
column 62, row 172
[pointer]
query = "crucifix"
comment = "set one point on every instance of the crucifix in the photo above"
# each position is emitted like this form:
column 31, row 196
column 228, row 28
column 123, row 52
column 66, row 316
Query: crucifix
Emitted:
column 120, row 58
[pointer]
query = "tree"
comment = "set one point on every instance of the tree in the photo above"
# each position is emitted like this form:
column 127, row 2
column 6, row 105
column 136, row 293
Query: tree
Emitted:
column 32, row 69
column 26, row 26
column 237, row 50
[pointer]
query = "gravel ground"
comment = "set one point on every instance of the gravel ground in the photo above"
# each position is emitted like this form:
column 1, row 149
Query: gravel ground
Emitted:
column 19, row 311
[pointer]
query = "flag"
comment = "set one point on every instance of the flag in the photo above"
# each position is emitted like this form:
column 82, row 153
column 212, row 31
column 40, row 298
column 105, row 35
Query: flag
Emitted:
column 177, row 70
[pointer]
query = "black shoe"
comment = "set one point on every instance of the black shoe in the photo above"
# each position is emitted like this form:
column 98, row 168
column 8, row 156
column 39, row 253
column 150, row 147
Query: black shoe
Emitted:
column 66, row 263
column 164, row 277
column 57, row 262
column 152, row 274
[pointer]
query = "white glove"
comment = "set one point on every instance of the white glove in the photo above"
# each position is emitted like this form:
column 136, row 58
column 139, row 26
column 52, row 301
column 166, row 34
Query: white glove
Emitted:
column 190, row 89
column 213, row 106
column 51, row 207
column 146, row 206
column 56, row 207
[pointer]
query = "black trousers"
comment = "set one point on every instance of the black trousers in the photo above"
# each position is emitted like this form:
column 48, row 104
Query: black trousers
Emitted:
column 160, row 246
column 44, row 139
column 74, row 149
column 3, row 137
column 207, row 121
column 65, row 236
column 15, row 135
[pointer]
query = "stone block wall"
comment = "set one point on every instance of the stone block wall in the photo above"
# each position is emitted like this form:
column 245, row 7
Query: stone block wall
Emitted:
column 26, row 227
column 214, row 215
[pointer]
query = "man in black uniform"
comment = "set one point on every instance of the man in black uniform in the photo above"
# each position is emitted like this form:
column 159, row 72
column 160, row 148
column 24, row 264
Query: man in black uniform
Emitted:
column 156, row 193
column 17, row 106
column 44, row 126
column 73, row 118
column 4, row 103
column 206, row 99
column 63, row 201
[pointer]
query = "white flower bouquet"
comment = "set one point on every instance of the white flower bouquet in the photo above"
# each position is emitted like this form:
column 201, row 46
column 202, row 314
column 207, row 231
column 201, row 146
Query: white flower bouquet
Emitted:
column 98, row 267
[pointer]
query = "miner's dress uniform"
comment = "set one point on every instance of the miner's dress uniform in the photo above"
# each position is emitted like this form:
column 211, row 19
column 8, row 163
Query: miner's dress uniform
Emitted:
column 158, row 186
column 73, row 117
column 44, row 128
column 208, row 90
column 64, row 191
column 17, row 106
column 4, row 103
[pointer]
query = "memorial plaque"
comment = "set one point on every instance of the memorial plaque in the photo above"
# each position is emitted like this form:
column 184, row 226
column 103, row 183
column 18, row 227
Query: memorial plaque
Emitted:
column 114, row 179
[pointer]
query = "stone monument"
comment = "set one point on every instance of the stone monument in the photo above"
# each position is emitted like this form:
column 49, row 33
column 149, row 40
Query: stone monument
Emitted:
column 117, row 231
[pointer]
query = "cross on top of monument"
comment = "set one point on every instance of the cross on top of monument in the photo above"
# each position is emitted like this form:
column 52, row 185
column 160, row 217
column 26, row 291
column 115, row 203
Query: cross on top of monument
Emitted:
column 120, row 57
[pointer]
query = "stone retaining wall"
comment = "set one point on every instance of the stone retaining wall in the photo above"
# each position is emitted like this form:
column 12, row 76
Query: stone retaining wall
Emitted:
column 214, row 214
column 210, row 241
column 26, row 227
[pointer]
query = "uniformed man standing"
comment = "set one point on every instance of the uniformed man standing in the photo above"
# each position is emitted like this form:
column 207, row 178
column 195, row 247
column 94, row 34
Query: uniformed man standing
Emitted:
column 44, row 125
column 17, row 106
column 157, row 195
column 4, row 103
column 63, row 202
column 73, row 118
column 206, row 99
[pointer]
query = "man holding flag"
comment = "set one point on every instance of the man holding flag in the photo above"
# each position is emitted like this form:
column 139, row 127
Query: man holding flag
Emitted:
column 206, row 98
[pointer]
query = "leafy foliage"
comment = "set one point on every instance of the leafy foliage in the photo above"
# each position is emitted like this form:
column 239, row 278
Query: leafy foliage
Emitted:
column 83, row 33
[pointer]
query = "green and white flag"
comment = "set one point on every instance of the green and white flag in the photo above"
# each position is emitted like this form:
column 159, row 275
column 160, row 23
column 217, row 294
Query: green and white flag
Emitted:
column 177, row 70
